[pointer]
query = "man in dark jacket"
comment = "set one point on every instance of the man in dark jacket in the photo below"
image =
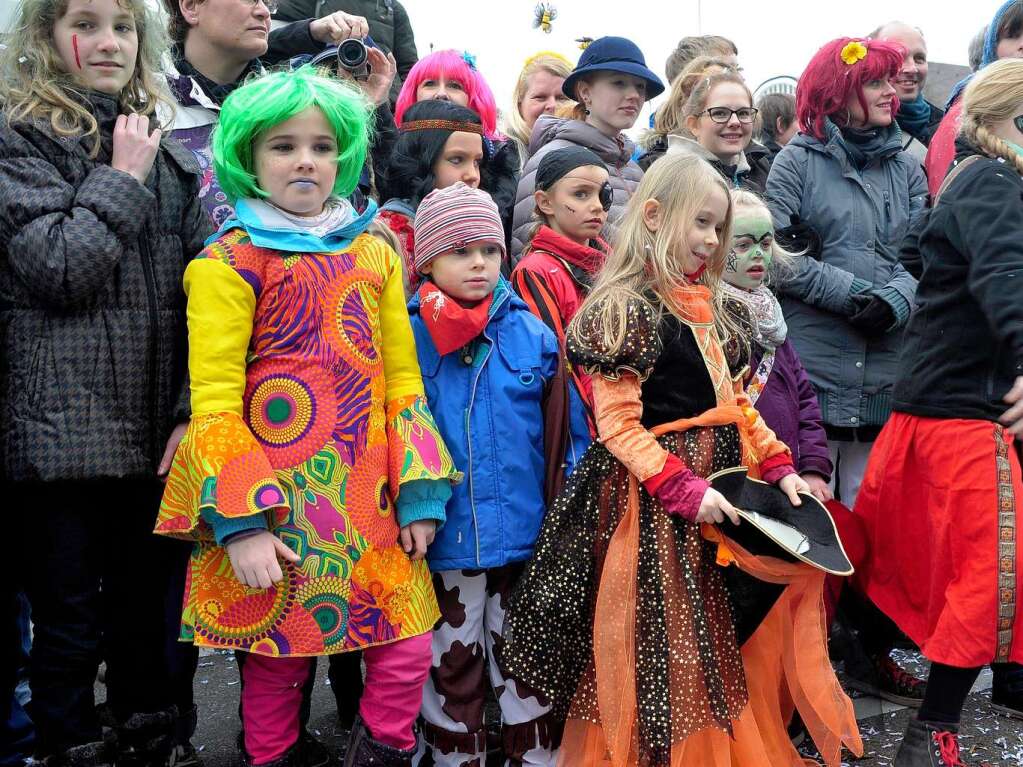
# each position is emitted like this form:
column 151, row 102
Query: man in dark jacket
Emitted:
column 389, row 26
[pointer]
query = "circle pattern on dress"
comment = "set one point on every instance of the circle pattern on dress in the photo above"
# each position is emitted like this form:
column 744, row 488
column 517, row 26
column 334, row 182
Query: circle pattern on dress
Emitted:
column 350, row 311
column 292, row 411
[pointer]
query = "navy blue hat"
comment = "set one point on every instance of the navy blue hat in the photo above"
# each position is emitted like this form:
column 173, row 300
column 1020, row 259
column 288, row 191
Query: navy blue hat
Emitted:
column 613, row 54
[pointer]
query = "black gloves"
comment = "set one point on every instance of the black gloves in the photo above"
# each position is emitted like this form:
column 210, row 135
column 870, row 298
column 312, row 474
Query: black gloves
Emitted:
column 799, row 238
column 873, row 317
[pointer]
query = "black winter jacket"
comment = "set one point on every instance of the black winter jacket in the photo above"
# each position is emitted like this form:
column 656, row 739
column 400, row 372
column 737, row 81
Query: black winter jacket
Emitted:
column 389, row 26
column 92, row 322
column 963, row 347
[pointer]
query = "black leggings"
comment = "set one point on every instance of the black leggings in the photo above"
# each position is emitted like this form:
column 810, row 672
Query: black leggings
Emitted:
column 947, row 688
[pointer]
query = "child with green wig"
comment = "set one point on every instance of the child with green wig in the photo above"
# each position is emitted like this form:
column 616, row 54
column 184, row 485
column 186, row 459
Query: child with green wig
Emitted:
column 312, row 476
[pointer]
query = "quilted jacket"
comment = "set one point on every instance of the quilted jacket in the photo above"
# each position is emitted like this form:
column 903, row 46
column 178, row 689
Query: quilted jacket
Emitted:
column 92, row 325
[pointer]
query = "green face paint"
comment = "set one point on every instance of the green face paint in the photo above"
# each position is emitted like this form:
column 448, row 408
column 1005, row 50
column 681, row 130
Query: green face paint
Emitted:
column 750, row 255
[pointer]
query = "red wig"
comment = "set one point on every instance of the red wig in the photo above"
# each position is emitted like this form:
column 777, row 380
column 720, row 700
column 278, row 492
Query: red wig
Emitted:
column 827, row 82
column 451, row 65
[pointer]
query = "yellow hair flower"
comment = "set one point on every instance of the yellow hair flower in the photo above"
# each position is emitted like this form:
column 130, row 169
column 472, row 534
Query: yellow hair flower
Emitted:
column 853, row 52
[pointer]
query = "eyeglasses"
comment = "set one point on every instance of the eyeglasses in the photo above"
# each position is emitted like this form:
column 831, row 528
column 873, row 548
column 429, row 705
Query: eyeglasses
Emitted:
column 722, row 115
column 271, row 5
column 1018, row 122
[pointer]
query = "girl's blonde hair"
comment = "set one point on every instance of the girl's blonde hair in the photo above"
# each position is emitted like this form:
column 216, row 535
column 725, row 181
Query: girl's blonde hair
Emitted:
column 781, row 260
column 546, row 61
column 646, row 266
column 993, row 96
column 34, row 85
column 670, row 118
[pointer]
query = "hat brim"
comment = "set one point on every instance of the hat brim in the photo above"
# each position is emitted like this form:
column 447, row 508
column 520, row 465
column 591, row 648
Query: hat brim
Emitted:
column 807, row 532
column 654, row 86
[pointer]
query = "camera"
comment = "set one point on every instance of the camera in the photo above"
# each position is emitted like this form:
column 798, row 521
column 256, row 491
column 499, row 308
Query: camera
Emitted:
column 352, row 55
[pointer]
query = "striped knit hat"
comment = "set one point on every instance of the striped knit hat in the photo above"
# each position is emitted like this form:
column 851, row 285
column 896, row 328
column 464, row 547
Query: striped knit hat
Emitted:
column 455, row 217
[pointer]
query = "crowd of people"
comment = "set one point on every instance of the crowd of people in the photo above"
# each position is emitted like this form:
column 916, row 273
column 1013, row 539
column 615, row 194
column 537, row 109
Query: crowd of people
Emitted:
column 309, row 348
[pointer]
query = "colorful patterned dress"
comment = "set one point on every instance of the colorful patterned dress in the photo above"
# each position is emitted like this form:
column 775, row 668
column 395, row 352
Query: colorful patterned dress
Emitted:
column 307, row 411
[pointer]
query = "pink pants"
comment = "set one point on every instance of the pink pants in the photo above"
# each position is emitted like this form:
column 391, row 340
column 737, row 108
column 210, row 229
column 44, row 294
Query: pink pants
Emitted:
column 272, row 697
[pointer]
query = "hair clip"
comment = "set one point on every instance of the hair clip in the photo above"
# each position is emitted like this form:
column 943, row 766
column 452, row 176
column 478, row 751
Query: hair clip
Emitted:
column 451, row 125
column 469, row 59
column 853, row 52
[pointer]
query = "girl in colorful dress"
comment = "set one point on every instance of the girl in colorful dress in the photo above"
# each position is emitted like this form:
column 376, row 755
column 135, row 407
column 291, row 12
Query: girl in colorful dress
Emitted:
column 622, row 618
column 98, row 217
column 942, row 496
column 312, row 476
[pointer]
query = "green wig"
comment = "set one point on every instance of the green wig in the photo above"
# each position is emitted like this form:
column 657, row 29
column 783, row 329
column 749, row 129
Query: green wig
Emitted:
column 260, row 104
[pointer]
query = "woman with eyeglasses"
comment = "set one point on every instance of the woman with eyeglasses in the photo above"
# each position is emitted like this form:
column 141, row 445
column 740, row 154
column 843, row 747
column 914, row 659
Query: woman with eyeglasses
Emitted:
column 717, row 126
column 942, row 497
column 845, row 192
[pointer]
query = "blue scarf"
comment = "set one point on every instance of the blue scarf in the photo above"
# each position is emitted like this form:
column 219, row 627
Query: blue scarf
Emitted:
column 268, row 229
column 914, row 116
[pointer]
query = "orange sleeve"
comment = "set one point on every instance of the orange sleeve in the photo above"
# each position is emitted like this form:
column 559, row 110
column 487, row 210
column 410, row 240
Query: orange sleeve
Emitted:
column 763, row 444
column 618, row 410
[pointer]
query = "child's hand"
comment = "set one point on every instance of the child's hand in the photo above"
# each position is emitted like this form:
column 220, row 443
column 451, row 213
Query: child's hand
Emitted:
column 818, row 486
column 134, row 148
column 168, row 452
column 254, row 558
column 415, row 538
column 792, row 485
column 715, row 507
column 1012, row 418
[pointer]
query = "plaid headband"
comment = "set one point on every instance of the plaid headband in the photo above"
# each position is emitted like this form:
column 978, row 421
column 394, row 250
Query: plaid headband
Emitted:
column 452, row 125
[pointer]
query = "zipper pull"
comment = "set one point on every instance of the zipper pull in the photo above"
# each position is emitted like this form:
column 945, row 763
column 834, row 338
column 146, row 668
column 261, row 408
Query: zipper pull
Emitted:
column 887, row 203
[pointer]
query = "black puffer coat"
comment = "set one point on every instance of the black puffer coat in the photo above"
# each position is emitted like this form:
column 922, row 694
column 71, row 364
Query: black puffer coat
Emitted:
column 92, row 320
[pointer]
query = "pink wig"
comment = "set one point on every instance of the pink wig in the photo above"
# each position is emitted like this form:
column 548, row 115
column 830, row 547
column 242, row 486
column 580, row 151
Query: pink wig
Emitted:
column 451, row 66
column 827, row 81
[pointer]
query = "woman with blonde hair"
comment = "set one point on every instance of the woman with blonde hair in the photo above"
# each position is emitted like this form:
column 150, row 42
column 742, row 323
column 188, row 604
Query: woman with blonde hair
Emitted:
column 942, row 497
column 98, row 218
column 670, row 116
column 537, row 92
column 624, row 620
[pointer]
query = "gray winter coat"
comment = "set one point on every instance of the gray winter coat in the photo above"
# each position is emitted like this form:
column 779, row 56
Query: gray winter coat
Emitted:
column 92, row 311
column 552, row 133
column 861, row 217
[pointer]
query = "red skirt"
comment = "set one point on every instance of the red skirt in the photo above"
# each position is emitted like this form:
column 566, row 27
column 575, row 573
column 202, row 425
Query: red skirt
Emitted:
column 941, row 504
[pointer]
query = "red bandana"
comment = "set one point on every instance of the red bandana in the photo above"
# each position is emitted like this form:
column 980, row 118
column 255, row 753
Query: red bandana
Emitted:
column 586, row 258
column 451, row 325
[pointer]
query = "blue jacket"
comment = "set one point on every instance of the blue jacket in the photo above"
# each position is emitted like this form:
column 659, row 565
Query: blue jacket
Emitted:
column 490, row 414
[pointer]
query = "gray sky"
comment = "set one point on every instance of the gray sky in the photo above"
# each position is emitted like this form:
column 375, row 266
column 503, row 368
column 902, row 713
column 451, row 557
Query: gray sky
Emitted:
column 773, row 38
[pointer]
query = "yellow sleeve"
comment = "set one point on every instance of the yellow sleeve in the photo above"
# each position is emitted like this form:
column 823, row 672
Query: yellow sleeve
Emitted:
column 220, row 470
column 398, row 346
column 221, row 306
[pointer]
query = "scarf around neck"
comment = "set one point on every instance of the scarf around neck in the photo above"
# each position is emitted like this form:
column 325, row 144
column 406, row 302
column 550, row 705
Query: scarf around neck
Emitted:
column 862, row 146
column 914, row 116
column 771, row 328
column 451, row 326
column 586, row 257
column 271, row 227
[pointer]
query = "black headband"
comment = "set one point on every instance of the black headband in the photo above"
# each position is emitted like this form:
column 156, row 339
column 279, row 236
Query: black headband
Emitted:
column 557, row 164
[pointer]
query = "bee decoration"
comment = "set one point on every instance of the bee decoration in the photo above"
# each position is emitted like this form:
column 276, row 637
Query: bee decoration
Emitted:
column 543, row 15
column 584, row 42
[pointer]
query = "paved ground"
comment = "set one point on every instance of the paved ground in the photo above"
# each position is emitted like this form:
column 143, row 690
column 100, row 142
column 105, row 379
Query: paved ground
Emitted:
column 986, row 736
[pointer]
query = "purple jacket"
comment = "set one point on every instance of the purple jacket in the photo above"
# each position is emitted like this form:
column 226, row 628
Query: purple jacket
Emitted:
column 789, row 407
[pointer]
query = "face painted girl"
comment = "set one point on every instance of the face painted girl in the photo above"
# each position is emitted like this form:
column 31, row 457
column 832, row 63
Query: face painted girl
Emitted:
column 749, row 258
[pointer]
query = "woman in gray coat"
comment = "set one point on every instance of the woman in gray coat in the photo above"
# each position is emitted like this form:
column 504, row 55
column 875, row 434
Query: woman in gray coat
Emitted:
column 845, row 188
column 610, row 83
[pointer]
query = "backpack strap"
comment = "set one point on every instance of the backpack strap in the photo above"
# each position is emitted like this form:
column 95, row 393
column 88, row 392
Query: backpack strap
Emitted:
column 958, row 168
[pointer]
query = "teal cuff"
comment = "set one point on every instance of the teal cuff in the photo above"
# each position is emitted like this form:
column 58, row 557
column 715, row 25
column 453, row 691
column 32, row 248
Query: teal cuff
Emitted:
column 859, row 286
column 423, row 499
column 225, row 527
column 900, row 306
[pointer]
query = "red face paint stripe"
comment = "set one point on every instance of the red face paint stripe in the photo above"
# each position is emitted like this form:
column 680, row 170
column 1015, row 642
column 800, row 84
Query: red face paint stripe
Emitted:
column 74, row 45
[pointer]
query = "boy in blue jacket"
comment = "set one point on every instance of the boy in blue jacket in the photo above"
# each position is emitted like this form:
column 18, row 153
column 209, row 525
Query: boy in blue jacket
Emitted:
column 487, row 366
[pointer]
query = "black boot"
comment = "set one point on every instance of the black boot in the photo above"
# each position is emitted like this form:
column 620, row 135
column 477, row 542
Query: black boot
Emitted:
column 927, row 744
column 1007, row 689
column 99, row 754
column 183, row 753
column 146, row 740
column 363, row 751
